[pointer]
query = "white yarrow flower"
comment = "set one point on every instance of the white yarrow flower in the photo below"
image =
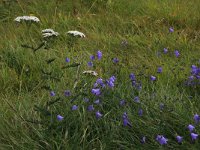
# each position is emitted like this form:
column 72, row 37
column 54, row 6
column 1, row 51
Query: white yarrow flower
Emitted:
column 49, row 33
column 90, row 72
column 27, row 18
column 76, row 33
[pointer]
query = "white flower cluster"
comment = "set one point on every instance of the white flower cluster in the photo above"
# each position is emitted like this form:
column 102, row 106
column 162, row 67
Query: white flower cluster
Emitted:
column 90, row 72
column 27, row 18
column 76, row 33
column 49, row 33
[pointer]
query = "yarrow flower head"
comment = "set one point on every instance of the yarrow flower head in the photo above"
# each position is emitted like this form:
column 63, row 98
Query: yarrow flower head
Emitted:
column 124, row 43
column 27, row 18
column 99, row 55
column 194, row 136
column 161, row 139
column 179, row 139
column 49, row 33
column 96, row 91
column 176, row 53
column 191, row 127
column 98, row 115
column 90, row 72
column 76, row 33
column 60, row 118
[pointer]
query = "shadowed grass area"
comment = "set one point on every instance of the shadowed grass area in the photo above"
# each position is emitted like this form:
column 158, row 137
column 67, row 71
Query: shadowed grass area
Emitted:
column 135, row 32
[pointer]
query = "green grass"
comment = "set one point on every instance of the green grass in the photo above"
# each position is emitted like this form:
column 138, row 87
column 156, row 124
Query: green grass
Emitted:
column 28, row 113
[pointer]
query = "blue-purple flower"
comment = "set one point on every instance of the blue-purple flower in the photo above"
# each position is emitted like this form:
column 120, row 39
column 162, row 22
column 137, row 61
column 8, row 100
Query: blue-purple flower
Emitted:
column 60, row 118
column 159, row 70
column 125, row 119
column 161, row 139
column 92, row 57
column 122, row 102
column 115, row 60
column 179, row 139
column 165, row 50
column 90, row 64
column 98, row 115
column 67, row 60
column 140, row 112
column 176, row 53
column 152, row 78
column 197, row 118
column 52, row 93
column 171, row 29
column 137, row 99
column 90, row 108
column 99, row 55
column 74, row 107
column 86, row 100
column 162, row 106
column 143, row 140
column 96, row 91
column 132, row 77
column 110, row 82
column 97, row 101
column 194, row 136
column 99, row 81
column 191, row 127
column 67, row 93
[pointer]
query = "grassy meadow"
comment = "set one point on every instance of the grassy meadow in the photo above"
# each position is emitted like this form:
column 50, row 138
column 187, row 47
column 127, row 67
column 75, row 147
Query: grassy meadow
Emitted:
column 37, row 83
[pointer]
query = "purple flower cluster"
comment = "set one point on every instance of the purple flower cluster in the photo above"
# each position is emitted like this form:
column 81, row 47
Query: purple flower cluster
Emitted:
column 96, row 92
column 135, row 84
column 194, row 78
column 92, row 58
column 99, row 83
column 161, row 139
column 111, row 81
column 125, row 119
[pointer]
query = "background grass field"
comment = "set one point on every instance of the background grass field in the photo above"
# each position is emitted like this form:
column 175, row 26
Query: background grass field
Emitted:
column 28, row 113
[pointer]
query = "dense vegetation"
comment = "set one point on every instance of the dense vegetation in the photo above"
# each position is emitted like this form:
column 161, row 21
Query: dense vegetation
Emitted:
column 147, row 92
